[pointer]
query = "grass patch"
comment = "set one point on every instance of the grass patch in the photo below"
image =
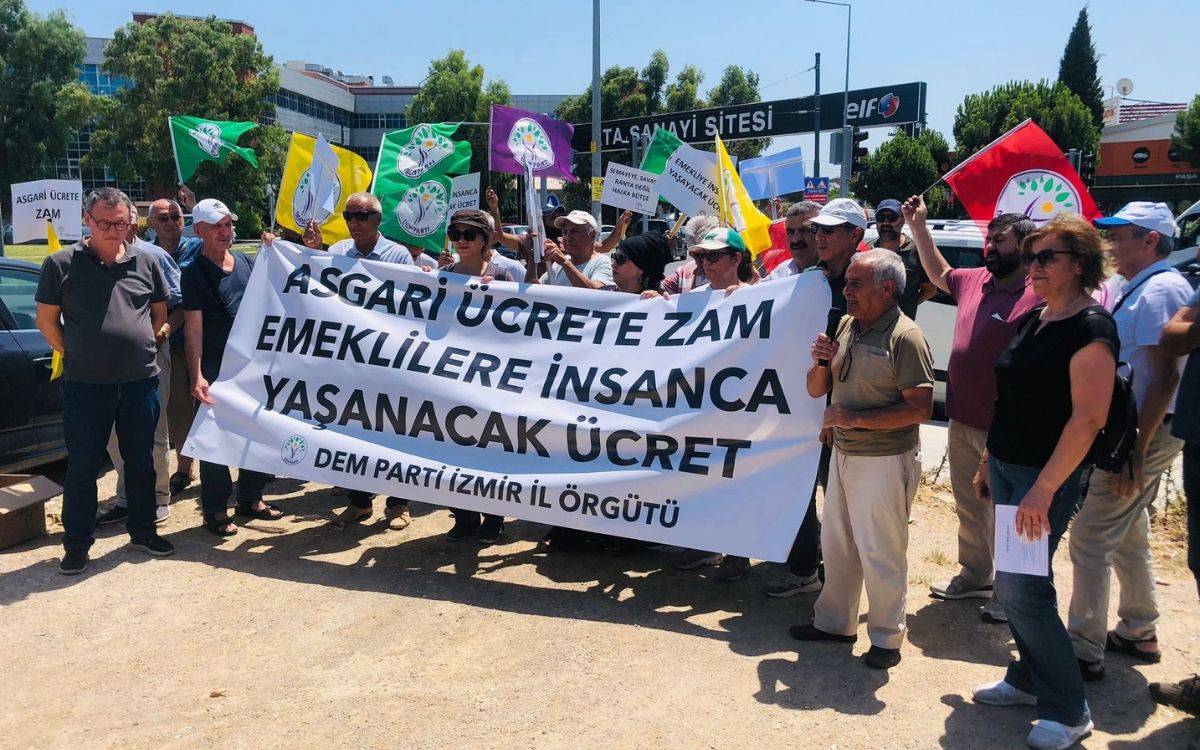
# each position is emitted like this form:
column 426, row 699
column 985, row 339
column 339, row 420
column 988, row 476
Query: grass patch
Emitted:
column 940, row 558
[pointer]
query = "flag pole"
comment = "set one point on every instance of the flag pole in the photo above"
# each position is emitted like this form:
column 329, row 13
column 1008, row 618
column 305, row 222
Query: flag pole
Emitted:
column 175, row 151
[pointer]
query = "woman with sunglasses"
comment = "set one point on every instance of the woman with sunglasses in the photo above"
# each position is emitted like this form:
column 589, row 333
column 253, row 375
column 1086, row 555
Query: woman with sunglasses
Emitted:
column 1054, row 385
column 471, row 233
column 638, row 262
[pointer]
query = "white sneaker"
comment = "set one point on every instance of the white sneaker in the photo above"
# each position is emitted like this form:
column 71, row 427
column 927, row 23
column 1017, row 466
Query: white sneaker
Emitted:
column 1000, row 693
column 161, row 513
column 792, row 584
column 958, row 588
column 1050, row 735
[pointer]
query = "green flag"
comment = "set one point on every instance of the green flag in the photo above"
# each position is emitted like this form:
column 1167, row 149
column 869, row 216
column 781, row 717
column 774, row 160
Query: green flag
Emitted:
column 412, row 181
column 660, row 149
column 195, row 139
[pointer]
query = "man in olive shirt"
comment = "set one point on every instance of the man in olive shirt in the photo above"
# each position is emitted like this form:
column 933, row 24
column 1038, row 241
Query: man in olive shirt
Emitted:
column 100, row 302
column 880, row 372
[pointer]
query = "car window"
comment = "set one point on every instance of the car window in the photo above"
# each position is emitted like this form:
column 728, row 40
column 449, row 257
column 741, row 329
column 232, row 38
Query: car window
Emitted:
column 1189, row 231
column 17, row 290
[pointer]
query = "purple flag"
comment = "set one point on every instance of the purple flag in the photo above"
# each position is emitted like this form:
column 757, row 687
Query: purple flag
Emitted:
column 520, row 138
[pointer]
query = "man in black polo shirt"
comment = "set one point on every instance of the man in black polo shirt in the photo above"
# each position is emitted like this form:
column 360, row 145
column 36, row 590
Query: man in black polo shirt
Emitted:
column 100, row 303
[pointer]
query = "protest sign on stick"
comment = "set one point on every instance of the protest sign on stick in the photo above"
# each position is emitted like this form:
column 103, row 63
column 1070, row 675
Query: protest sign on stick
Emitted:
column 630, row 188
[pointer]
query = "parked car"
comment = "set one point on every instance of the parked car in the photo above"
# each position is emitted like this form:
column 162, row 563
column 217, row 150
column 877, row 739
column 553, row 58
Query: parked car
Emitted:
column 31, row 430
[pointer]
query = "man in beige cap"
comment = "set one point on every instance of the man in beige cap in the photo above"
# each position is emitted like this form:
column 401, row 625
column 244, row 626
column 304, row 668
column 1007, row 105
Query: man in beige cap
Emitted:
column 573, row 260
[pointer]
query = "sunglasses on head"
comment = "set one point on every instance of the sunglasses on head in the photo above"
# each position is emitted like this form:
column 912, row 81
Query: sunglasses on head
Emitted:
column 358, row 215
column 803, row 229
column 711, row 256
column 467, row 234
column 827, row 230
column 1044, row 257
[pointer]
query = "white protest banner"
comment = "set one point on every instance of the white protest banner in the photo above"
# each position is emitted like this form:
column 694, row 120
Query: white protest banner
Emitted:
column 464, row 192
column 631, row 188
column 688, row 181
column 58, row 201
column 684, row 421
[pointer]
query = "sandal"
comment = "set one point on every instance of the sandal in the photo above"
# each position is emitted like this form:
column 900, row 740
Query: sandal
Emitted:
column 1130, row 648
column 179, row 482
column 220, row 526
column 269, row 511
column 344, row 519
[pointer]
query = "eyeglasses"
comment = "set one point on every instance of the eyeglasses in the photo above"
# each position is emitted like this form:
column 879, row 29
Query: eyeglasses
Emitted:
column 828, row 230
column 1044, row 257
column 618, row 258
column 104, row 226
column 463, row 234
column 712, row 256
column 358, row 215
column 804, row 229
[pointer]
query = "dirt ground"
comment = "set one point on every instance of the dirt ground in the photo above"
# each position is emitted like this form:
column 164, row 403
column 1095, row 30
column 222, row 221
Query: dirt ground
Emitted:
column 295, row 634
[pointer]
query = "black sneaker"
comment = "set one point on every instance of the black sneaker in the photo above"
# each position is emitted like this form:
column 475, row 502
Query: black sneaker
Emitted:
column 1092, row 671
column 810, row 632
column 881, row 658
column 490, row 530
column 155, row 545
column 464, row 526
column 115, row 514
column 73, row 562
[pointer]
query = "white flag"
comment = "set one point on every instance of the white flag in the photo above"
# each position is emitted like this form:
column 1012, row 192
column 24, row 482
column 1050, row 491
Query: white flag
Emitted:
column 323, row 188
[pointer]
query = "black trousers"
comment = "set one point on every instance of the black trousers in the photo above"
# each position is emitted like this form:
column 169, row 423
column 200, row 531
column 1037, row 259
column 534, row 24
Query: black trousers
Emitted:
column 360, row 499
column 805, row 556
column 1191, row 488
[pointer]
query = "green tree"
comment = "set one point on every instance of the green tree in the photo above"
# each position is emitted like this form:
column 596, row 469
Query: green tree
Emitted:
column 184, row 66
column 1078, row 67
column 684, row 92
column 1186, row 138
column 738, row 86
column 984, row 117
column 901, row 167
column 41, row 101
column 455, row 91
column 939, row 149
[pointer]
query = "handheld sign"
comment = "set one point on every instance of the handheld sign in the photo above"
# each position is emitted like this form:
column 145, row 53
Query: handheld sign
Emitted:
column 630, row 188
column 58, row 202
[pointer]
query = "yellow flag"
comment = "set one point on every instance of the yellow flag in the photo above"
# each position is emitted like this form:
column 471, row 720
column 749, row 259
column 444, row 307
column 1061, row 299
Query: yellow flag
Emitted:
column 294, row 208
column 737, row 210
column 53, row 246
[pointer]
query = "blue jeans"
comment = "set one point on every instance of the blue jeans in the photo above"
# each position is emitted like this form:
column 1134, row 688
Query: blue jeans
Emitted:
column 1046, row 665
column 89, row 412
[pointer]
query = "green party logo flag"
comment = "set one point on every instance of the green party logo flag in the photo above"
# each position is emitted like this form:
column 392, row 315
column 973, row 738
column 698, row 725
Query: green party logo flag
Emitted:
column 412, row 182
column 659, row 151
column 195, row 139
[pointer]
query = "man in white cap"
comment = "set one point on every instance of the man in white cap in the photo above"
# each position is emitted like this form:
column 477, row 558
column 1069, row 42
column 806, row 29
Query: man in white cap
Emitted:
column 213, row 285
column 573, row 261
column 1112, row 527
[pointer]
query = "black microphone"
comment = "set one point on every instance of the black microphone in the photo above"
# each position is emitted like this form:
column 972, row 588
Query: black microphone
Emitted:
column 831, row 323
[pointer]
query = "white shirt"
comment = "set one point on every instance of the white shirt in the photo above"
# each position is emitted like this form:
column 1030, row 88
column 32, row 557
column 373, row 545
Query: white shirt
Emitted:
column 598, row 268
column 783, row 270
column 385, row 250
column 1142, row 317
column 515, row 268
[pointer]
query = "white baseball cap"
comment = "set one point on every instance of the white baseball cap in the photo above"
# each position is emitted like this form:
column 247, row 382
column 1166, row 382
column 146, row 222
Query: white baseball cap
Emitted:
column 841, row 211
column 1145, row 214
column 577, row 217
column 211, row 211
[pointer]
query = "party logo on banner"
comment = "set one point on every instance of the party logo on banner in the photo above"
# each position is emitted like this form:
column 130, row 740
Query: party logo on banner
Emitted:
column 529, row 144
column 304, row 206
column 1038, row 194
column 423, row 208
column 423, row 152
column 208, row 138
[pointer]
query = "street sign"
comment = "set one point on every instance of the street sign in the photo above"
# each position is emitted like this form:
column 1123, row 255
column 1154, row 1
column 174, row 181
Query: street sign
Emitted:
column 816, row 189
column 879, row 106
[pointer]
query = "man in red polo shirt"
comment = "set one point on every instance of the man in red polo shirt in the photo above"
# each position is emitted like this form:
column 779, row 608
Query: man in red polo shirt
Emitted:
column 991, row 300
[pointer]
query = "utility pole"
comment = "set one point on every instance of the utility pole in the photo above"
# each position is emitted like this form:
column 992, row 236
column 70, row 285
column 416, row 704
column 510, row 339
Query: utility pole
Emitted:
column 596, row 102
column 817, row 120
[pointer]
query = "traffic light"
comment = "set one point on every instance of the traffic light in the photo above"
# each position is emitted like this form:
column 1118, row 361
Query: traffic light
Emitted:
column 1087, row 167
column 858, row 154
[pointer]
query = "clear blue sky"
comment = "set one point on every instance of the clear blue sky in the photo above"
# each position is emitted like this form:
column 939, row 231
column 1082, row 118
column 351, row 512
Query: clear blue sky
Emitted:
column 539, row 46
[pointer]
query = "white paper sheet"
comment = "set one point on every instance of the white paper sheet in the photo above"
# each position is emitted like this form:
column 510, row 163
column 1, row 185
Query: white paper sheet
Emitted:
column 1016, row 554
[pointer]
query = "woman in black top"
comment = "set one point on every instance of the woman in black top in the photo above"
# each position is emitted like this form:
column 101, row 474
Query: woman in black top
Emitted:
column 1053, row 388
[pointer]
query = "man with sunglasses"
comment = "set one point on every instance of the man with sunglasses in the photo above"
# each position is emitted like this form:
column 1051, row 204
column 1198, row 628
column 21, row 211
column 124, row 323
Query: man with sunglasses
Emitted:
column 100, row 302
column 801, row 239
column 1112, row 528
column 889, row 222
column 363, row 214
column 991, row 302
column 878, row 372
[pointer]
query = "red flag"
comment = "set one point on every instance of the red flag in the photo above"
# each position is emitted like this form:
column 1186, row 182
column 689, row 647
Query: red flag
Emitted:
column 1021, row 172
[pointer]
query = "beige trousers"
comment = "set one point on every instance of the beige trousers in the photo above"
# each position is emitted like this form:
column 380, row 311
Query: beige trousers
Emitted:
column 976, row 518
column 1111, row 531
column 864, row 537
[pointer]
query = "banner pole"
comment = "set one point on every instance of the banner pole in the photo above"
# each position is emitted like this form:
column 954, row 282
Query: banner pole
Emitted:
column 175, row 152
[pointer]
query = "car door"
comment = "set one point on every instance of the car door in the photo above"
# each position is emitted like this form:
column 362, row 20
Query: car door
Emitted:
column 33, row 400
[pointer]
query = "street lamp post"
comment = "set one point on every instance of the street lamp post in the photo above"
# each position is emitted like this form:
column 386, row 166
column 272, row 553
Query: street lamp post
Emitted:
column 846, row 90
